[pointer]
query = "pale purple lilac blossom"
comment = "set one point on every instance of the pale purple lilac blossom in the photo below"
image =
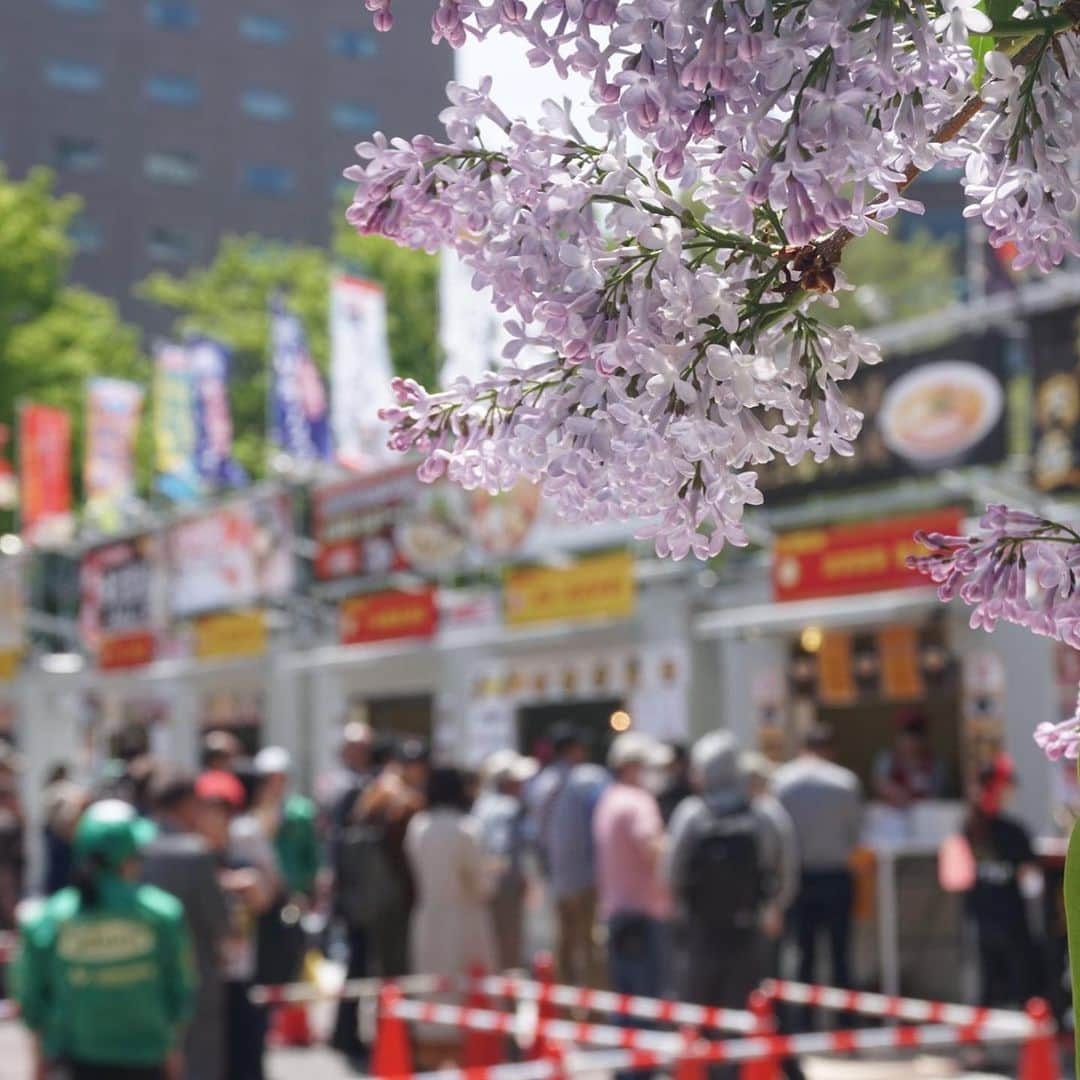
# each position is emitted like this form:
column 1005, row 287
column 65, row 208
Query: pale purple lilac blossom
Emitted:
column 683, row 350
column 1024, row 569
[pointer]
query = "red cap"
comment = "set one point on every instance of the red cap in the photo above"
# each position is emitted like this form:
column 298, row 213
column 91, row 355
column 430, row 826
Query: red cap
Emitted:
column 217, row 785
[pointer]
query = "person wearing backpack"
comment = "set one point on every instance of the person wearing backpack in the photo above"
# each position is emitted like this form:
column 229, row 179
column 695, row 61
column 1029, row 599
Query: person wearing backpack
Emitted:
column 731, row 864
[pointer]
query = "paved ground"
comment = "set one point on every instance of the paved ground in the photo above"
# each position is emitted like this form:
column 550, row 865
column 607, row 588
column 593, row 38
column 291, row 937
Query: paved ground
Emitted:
column 320, row 1064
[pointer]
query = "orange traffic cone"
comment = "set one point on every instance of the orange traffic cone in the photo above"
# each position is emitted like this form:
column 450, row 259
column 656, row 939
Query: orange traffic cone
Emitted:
column 392, row 1055
column 767, row 1068
column 543, row 973
column 480, row 1048
column 1039, row 1057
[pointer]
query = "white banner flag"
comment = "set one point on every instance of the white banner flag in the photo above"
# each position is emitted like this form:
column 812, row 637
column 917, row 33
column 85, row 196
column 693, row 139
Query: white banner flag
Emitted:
column 360, row 370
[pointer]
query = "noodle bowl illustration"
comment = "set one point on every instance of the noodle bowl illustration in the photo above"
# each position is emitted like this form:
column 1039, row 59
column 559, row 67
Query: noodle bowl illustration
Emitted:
column 936, row 414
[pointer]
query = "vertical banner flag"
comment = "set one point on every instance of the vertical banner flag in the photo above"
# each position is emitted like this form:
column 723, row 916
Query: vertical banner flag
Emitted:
column 360, row 370
column 45, row 472
column 299, row 410
column 175, row 424
column 210, row 363
column 192, row 422
column 112, row 423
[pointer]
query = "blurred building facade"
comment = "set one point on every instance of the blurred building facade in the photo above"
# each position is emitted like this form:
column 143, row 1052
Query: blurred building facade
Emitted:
column 178, row 121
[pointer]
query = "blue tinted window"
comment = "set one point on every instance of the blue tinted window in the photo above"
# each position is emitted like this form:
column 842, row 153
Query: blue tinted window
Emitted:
column 86, row 234
column 180, row 168
column 83, row 7
column 172, row 14
column 267, row 105
column 74, row 75
column 354, row 44
column 76, row 153
column 264, row 28
column 353, row 116
column 173, row 89
column 170, row 245
column 269, row 179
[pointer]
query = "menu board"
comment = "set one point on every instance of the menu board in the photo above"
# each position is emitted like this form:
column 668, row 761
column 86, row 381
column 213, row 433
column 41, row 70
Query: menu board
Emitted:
column 935, row 409
column 1055, row 368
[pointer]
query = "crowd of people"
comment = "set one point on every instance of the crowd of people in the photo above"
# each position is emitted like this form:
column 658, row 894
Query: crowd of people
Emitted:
column 670, row 871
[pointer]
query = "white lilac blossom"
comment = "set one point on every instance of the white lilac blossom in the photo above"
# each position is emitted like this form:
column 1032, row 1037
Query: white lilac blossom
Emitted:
column 1024, row 569
column 665, row 248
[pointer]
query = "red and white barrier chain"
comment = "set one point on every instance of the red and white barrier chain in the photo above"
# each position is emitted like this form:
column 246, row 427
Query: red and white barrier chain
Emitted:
column 354, row 989
column 517, row 988
column 644, row 1008
column 889, row 1007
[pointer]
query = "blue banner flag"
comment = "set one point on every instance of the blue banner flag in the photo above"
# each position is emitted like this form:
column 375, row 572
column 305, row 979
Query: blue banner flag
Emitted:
column 299, row 409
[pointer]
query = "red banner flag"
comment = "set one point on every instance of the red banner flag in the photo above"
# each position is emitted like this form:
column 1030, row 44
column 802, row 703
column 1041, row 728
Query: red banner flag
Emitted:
column 45, row 472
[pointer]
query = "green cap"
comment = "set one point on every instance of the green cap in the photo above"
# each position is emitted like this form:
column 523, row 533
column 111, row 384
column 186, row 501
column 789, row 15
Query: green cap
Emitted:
column 112, row 831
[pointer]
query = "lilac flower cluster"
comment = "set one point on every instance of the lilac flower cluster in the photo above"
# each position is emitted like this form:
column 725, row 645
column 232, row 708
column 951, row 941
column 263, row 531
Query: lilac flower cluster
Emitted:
column 1021, row 568
column 672, row 286
column 1021, row 154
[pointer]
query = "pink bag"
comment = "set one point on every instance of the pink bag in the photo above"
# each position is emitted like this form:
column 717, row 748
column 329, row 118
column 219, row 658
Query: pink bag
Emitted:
column 956, row 864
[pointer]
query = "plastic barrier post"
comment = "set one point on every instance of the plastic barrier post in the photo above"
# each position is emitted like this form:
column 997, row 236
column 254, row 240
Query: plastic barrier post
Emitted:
column 480, row 1048
column 768, row 1069
column 544, row 973
column 290, row 1026
column 691, row 1064
column 1039, row 1056
column 392, row 1055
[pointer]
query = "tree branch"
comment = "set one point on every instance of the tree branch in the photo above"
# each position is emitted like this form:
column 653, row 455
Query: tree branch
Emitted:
column 821, row 256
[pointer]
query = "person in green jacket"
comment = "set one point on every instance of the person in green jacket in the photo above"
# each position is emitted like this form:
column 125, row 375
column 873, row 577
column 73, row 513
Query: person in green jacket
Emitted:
column 105, row 976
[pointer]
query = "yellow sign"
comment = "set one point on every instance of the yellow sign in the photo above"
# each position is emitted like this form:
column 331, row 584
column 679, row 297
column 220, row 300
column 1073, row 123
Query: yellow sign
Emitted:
column 593, row 587
column 9, row 664
column 234, row 633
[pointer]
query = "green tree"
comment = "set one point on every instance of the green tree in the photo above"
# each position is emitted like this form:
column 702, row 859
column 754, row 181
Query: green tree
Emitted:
column 895, row 279
column 229, row 300
column 53, row 335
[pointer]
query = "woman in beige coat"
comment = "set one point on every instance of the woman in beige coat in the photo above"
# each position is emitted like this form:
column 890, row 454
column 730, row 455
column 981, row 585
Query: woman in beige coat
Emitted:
column 455, row 880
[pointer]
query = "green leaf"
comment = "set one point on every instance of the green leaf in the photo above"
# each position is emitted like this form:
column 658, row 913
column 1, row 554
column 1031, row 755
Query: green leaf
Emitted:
column 980, row 44
column 1072, row 918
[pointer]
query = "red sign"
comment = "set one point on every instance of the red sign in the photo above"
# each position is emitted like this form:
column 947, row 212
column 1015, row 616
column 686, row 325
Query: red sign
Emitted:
column 870, row 556
column 44, row 468
column 389, row 616
column 126, row 651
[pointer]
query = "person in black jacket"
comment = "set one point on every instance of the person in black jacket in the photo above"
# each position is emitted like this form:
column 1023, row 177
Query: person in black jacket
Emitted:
column 1004, row 857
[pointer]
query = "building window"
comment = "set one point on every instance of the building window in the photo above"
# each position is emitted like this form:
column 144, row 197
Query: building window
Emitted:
column 76, row 154
column 169, row 245
column 80, row 7
column 181, row 169
column 74, row 75
column 86, row 234
column 353, row 44
column 172, row 14
column 264, row 29
column 352, row 116
column 172, row 89
column 267, row 105
column 269, row 179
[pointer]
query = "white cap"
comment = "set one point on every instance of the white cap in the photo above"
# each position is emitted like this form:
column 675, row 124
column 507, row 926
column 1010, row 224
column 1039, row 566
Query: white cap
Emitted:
column 504, row 765
column 635, row 747
column 272, row 760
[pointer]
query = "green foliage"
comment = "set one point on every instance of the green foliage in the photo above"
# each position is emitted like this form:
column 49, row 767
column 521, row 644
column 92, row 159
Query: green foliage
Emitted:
column 894, row 279
column 229, row 299
column 53, row 336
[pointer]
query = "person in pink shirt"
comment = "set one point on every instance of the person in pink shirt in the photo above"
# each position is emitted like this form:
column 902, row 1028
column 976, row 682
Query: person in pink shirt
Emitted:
column 628, row 838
